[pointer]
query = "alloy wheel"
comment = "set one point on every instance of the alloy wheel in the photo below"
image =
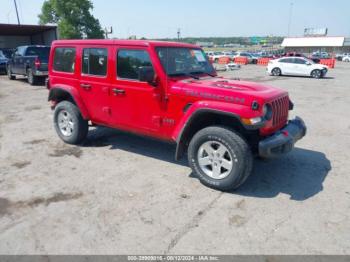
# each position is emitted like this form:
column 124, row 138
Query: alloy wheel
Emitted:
column 215, row 160
column 65, row 123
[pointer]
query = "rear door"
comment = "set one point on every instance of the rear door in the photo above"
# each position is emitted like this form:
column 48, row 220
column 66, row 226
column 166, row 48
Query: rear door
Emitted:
column 94, row 81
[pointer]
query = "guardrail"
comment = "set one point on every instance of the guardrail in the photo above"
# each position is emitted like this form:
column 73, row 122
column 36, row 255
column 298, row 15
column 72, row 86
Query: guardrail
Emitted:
column 224, row 60
column 328, row 62
column 241, row 60
column 263, row 61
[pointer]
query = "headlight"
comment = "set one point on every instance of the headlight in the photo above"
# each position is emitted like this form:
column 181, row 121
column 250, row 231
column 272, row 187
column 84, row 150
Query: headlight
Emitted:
column 267, row 111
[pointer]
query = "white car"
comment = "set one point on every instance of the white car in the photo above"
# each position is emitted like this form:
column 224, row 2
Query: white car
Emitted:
column 229, row 54
column 215, row 56
column 296, row 66
column 346, row 58
column 244, row 54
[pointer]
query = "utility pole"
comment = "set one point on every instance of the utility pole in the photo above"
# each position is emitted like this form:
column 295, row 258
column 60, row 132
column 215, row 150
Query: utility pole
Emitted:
column 108, row 32
column 290, row 17
column 178, row 34
column 17, row 12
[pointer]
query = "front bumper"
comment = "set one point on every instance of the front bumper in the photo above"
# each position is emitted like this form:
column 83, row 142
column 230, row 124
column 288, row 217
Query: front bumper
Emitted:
column 283, row 141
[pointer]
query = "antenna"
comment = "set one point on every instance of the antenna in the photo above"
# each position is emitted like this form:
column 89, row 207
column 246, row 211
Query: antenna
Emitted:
column 16, row 12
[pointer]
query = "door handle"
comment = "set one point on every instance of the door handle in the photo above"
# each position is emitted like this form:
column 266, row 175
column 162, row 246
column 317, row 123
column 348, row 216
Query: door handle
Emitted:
column 86, row 86
column 118, row 91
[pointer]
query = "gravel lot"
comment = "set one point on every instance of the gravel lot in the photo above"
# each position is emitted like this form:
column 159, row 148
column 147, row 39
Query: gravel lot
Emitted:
column 120, row 193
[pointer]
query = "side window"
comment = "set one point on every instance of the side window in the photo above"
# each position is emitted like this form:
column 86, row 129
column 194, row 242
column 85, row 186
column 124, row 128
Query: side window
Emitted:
column 19, row 51
column 95, row 61
column 299, row 61
column 64, row 59
column 290, row 60
column 129, row 62
column 286, row 60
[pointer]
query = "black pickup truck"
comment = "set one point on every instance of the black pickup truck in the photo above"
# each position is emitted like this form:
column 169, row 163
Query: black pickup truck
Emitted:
column 30, row 61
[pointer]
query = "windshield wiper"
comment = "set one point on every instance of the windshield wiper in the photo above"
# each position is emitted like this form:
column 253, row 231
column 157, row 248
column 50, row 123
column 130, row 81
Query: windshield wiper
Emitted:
column 201, row 72
column 185, row 74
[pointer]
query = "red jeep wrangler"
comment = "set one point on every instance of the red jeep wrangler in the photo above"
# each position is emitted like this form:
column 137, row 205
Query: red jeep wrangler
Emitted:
column 171, row 92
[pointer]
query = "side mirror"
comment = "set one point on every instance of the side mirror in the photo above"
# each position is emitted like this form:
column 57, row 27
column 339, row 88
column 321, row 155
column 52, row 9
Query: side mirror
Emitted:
column 308, row 63
column 146, row 74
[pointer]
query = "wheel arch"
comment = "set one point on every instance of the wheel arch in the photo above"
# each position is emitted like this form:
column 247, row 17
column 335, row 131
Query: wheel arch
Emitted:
column 203, row 118
column 61, row 93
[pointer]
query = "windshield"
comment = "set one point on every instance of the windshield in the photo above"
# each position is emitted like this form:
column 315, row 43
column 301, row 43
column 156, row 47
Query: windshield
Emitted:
column 184, row 61
column 310, row 61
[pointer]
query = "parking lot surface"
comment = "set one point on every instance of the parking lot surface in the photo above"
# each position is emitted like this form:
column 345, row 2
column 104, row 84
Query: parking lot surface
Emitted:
column 119, row 193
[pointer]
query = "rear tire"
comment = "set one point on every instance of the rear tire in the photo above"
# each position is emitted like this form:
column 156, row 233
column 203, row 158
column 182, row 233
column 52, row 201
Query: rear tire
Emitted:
column 276, row 72
column 32, row 79
column 220, row 158
column 316, row 74
column 9, row 74
column 69, row 123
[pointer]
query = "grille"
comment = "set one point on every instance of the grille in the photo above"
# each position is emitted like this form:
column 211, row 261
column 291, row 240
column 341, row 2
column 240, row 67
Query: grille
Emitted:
column 280, row 108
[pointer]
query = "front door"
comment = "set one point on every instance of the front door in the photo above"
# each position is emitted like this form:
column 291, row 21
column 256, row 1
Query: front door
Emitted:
column 301, row 67
column 136, row 105
column 17, row 60
column 94, row 82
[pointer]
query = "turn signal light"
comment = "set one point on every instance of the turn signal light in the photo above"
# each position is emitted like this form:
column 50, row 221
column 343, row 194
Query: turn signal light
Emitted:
column 252, row 121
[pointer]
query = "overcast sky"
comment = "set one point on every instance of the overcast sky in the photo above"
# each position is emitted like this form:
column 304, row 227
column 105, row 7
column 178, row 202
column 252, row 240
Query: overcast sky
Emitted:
column 161, row 18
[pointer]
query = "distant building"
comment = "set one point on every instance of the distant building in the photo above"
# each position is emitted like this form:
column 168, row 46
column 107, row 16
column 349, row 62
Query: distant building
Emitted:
column 232, row 45
column 205, row 44
column 308, row 45
column 12, row 35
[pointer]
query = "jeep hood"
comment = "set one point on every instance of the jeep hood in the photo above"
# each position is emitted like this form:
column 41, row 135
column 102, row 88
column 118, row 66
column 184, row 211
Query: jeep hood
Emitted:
column 221, row 89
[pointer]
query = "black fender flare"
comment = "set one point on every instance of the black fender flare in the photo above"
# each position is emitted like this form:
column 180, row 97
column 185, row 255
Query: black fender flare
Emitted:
column 183, row 137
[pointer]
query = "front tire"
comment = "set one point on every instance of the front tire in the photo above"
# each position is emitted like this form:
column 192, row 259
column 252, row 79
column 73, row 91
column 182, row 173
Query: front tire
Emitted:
column 69, row 123
column 220, row 158
column 9, row 74
column 316, row 74
column 276, row 72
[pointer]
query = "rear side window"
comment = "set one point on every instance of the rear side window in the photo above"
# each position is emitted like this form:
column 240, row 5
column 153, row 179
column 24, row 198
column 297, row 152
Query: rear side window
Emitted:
column 41, row 52
column 286, row 60
column 64, row 59
column 129, row 62
column 95, row 61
